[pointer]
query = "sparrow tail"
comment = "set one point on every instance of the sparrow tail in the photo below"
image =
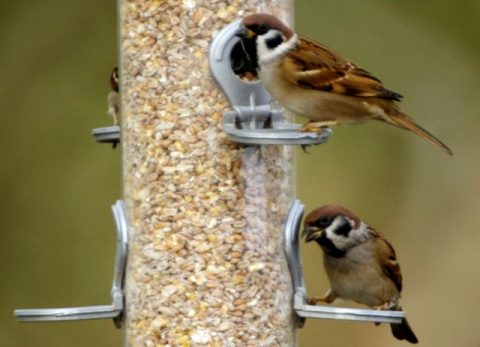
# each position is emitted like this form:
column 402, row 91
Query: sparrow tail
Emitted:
column 403, row 331
column 401, row 120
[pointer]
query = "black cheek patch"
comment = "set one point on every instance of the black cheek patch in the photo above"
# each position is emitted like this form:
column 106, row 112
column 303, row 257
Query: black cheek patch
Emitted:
column 344, row 229
column 274, row 41
column 329, row 247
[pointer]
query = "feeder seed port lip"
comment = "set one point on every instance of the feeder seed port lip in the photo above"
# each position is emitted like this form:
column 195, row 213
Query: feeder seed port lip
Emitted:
column 275, row 136
column 344, row 313
column 72, row 313
column 109, row 134
column 302, row 309
column 114, row 310
column 251, row 101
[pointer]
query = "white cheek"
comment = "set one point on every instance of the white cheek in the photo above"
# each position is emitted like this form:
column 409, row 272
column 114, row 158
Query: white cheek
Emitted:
column 341, row 242
column 354, row 237
column 266, row 55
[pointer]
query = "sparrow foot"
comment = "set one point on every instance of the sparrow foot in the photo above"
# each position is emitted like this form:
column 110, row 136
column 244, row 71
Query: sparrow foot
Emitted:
column 315, row 300
column 385, row 307
column 328, row 298
column 316, row 127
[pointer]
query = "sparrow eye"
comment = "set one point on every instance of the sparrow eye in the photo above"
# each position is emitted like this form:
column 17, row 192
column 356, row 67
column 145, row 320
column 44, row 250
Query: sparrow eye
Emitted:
column 262, row 28
column 325, row 221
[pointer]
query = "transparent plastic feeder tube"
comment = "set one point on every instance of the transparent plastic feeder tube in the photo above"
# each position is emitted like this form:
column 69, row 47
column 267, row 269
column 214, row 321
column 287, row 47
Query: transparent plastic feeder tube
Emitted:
column 206, row 263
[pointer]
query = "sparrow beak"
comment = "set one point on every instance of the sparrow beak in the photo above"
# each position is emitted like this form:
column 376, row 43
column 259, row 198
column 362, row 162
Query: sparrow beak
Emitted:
column 311, row 233
column 244, row 33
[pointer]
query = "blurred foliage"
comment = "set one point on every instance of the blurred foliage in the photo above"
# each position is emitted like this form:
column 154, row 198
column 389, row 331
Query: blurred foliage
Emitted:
column 57, row 183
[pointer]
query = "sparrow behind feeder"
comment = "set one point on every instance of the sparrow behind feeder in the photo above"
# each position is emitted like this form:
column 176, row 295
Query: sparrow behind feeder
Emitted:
column 310, row 80
column 361, row 265
column 113, row 99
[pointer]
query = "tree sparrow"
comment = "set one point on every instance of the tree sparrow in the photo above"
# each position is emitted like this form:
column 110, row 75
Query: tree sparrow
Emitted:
column 361, row 265
column 312, row 81
column 113, row 99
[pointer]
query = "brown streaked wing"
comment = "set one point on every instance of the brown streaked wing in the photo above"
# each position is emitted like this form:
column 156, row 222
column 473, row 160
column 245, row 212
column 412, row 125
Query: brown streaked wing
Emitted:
column 313, row 66
column 387, row 257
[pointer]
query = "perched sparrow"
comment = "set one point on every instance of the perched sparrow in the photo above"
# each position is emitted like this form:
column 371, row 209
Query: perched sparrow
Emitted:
column 114, row 99
column 361, row 265
column 312, row 81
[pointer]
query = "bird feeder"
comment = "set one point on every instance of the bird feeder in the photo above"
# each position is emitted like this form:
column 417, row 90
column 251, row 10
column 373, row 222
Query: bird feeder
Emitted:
column 206, row 263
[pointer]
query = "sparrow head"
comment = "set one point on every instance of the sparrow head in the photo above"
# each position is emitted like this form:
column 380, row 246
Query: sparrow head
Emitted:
column 269, row 34
column 260, row 24
column 335, row 229
column 114, row 79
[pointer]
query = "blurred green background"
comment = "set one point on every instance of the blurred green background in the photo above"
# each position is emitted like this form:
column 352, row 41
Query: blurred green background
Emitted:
column 57, row 184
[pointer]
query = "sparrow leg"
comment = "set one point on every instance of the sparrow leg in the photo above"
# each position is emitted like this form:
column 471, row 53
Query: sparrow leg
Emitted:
column 317, row 127
column 328, row 298
column 389, row 305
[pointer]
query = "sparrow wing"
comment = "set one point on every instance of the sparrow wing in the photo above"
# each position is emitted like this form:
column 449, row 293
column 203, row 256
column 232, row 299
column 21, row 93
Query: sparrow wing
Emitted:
column 388, row 260
column 313, row 66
